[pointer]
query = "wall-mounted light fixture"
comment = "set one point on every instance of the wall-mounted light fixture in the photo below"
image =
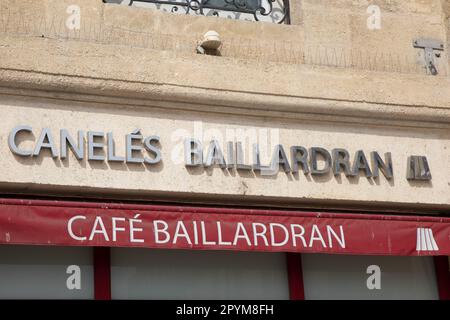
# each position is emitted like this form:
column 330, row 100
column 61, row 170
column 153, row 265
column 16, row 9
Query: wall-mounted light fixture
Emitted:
column 210, row 44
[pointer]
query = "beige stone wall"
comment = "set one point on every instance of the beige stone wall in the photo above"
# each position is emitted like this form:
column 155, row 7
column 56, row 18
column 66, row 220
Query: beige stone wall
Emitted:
column 342, row 25
column 325, row 81
column 173, row 177
column 323, row 32
column 446, row 6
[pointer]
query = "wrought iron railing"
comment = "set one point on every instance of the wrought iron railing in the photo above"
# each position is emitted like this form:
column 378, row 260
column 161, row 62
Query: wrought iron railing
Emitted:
column 275, row 11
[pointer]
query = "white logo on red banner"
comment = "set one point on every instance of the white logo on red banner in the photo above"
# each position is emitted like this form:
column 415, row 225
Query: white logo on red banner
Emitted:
column 425, row 240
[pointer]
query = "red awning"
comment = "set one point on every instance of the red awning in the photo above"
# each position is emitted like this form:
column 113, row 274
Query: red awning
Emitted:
column 62, row 223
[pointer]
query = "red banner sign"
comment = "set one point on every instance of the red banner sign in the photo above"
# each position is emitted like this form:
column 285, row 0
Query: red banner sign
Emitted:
column 175, row 227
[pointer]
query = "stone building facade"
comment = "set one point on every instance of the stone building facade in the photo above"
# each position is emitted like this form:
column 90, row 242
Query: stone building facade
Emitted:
column 336, row 75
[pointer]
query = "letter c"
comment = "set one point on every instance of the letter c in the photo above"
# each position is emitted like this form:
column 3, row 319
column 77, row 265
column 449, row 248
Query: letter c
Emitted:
column 12, row 141
column 69, row 228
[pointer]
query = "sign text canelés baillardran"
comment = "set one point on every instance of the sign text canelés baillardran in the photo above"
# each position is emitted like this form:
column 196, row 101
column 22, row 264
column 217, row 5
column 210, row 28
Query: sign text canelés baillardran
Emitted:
column 100, row 146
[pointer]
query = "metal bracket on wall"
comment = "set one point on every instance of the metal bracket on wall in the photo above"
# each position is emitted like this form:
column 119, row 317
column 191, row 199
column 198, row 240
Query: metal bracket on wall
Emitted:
column 430, row 45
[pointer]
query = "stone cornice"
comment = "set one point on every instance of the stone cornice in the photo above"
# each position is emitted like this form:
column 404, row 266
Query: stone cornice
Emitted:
column 211, row 100
column 93, row 72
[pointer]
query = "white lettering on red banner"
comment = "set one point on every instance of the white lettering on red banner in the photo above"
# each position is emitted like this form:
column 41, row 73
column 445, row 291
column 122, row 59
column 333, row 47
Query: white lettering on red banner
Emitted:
column 174, row 227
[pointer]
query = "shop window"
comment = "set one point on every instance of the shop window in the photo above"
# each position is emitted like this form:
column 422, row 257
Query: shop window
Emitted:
column 36, row 272
column 274, row 11
column 347, row 277
column 177, row 274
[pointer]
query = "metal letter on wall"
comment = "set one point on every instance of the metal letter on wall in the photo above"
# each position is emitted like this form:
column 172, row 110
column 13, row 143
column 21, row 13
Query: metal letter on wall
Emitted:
column 418, row 168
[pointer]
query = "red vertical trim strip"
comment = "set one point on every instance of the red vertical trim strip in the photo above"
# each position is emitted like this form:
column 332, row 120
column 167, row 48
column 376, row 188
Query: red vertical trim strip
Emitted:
column 441, row 264
column 102, row 273
column 295, row 276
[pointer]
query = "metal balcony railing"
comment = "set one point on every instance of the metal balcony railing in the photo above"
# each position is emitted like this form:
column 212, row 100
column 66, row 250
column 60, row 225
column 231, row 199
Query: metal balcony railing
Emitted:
column 274, row 11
